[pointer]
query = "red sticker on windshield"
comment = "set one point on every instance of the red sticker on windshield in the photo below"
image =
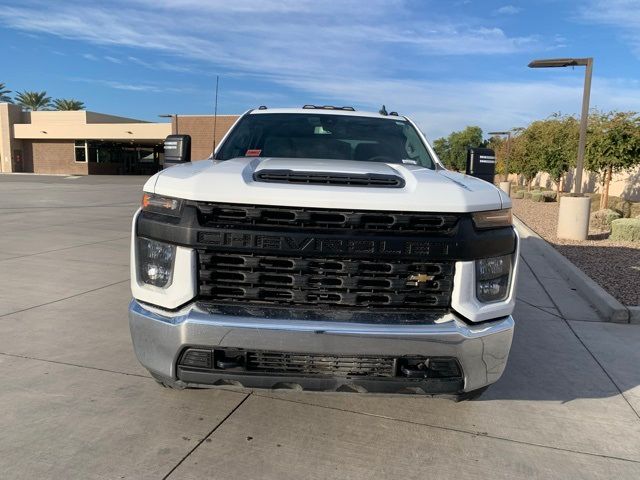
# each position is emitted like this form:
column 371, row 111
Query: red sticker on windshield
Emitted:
column 253, row 153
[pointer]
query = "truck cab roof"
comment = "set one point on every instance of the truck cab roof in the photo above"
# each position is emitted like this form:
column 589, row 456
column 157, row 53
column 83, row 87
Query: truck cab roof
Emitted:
column 327, row 111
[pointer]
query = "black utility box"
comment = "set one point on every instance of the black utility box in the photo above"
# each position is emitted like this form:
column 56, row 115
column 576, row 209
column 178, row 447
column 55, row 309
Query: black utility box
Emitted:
column 481, row 163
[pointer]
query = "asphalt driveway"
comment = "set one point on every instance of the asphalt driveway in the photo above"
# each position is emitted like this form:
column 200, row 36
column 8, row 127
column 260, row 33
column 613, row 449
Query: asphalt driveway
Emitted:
column 76, row 404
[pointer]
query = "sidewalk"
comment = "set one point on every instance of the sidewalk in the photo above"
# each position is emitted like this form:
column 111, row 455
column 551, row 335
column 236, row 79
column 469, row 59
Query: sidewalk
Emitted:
column 76, row 403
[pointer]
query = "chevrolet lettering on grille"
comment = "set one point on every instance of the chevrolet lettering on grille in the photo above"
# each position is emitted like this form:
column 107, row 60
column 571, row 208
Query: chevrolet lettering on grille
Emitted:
column 248, row 240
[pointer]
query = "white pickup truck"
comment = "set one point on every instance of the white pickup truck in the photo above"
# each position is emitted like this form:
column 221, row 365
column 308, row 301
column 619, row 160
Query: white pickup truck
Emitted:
column 323, row 248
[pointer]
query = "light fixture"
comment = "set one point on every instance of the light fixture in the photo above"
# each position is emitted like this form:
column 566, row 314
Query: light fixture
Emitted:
column 573, row 214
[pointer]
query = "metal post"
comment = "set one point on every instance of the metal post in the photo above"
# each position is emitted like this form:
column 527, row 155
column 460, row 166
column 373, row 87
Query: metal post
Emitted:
column 583, row 125
column 172, row 116
column 506, row 161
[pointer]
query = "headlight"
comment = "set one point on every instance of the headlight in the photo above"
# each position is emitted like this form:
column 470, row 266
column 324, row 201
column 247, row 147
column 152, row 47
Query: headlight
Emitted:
column 493, row 276
column 155, row 262
column 492, row 219
column 159, row 204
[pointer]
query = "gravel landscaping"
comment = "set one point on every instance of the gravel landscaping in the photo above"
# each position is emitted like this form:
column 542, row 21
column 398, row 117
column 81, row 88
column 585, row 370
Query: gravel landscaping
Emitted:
column 614, row 265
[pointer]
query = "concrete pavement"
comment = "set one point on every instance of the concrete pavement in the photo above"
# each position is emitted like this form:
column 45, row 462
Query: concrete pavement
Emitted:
column 76, row 404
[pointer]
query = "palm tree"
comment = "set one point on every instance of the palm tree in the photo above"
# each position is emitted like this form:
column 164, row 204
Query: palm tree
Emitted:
column 33, row 100
column 3, row 94
column 68, row 104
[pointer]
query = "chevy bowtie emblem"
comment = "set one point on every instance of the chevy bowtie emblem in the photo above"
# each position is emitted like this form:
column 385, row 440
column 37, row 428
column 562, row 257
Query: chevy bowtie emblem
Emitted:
column 416, row 280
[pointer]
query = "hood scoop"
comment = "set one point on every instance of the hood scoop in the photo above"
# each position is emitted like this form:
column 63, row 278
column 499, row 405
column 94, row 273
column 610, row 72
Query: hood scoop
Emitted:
column 375, row 180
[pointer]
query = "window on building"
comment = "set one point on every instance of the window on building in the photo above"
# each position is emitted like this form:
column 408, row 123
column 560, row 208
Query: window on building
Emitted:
column 81, row 151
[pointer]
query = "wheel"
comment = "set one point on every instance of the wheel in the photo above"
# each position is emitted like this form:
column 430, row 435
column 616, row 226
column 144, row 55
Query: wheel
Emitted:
column 472, row 395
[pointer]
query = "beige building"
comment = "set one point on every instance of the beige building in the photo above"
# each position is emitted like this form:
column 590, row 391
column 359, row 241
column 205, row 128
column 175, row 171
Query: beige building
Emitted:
column 82, row 142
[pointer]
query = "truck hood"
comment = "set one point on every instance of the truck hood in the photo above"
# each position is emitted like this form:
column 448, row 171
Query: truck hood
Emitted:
column 232, row 181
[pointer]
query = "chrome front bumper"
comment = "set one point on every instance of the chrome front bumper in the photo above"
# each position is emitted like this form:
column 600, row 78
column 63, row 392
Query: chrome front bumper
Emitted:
column 159, row 337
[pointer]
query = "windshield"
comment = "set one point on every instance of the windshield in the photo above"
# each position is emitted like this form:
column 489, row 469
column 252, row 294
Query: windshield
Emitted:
column 335, row 137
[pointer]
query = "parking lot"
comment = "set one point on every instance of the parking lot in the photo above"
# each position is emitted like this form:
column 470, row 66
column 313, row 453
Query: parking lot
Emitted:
column 76, row 403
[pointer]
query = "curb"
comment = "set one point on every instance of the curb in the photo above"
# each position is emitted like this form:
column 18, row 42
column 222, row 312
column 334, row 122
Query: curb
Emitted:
column 610, row 308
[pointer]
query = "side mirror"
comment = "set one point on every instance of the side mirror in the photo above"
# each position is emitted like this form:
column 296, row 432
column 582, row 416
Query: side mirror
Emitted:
column 481, row 163
column 177, row 149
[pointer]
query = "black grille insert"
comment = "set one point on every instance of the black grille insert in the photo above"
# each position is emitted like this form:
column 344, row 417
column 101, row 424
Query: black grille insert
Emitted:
column 317, row 364
column 398, row 284
column 220, row 215
column 239, row 361
column 321, row 178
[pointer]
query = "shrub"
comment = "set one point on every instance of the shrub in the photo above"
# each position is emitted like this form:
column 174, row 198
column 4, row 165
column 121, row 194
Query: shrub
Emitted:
column 550, row 196
column 527, row 194
column 537, row 196
column 518, row 194
column 602, row 218
column 625, row 229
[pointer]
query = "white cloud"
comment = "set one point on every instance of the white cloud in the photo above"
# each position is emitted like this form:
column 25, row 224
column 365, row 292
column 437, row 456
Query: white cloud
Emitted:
column 112, row 59
column 90, row 56
column 135, row 87
column 162, row 65
column 623, row 15
column 508, row 10
column 224, row 32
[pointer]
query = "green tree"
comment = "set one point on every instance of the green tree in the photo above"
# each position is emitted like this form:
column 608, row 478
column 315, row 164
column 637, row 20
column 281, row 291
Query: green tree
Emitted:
column 453, row 149
column 552, row 145
column 499, row 146
column 4, row 94
column 68, row 104
column 441, row 146
column 613, row 146
column 521, row 162
column 33, row 100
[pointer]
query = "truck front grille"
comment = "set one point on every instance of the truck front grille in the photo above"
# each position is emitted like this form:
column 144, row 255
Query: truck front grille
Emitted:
column 316, row 364
column 313, row 281
column 220, row 215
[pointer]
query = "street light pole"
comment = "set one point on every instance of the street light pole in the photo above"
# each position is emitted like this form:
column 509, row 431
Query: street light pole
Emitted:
column 583, row 125
column 586, row 93
column 172, row 116
column 573, row 215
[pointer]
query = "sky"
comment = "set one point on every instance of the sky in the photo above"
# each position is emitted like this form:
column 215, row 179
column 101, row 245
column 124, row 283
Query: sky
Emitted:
column 446, row 64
